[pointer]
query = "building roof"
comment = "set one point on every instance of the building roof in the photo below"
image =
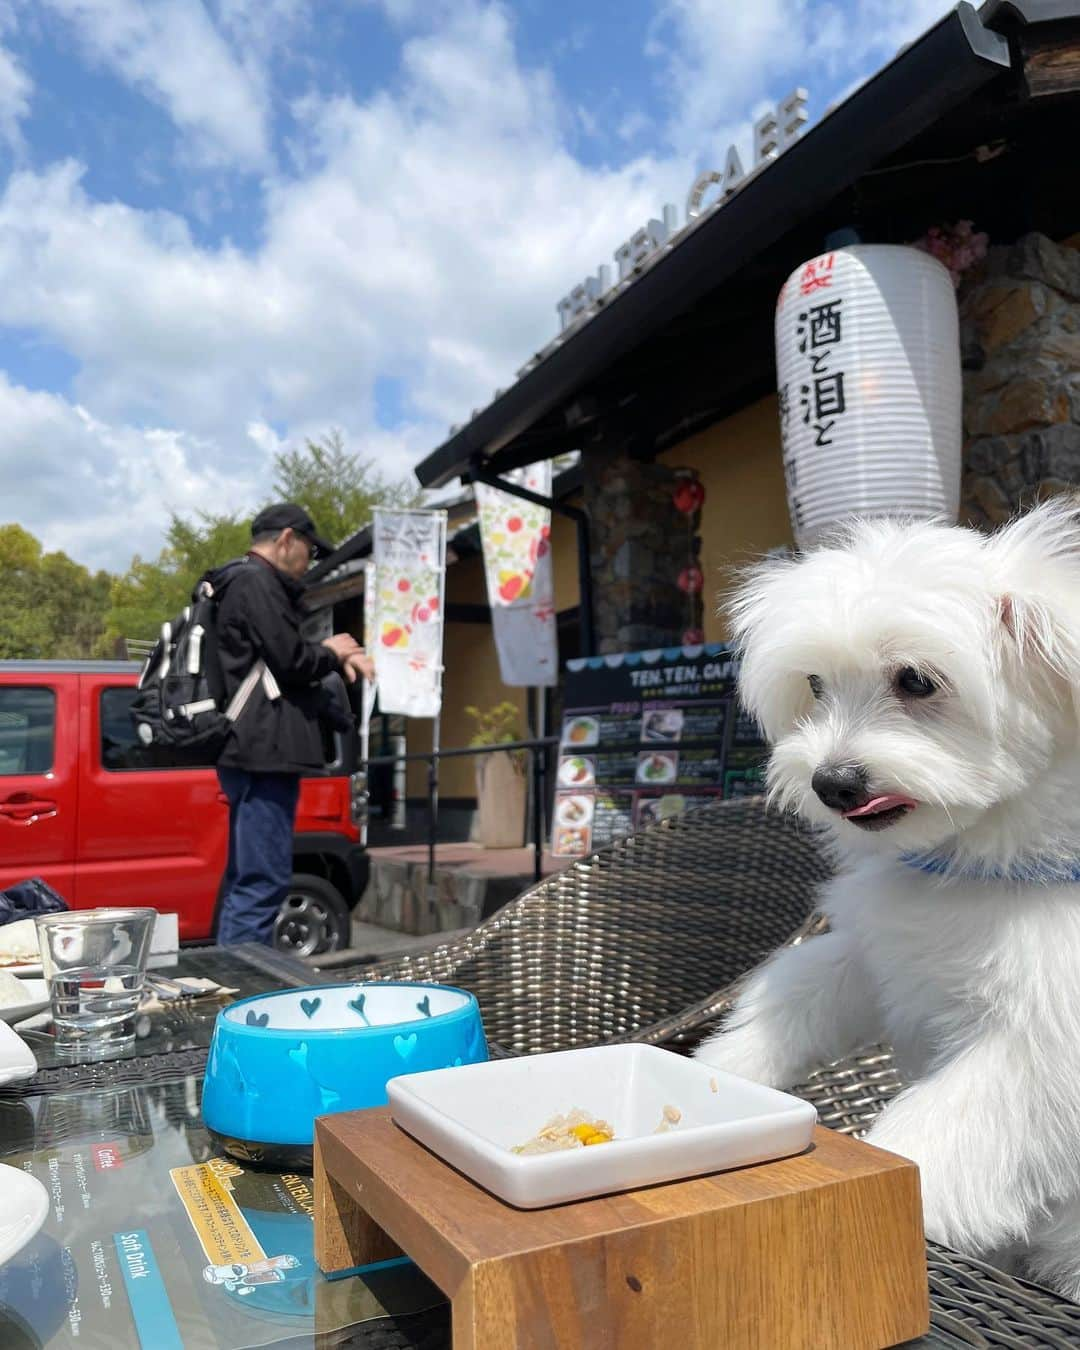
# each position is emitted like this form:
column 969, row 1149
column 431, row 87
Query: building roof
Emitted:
column 650, row 338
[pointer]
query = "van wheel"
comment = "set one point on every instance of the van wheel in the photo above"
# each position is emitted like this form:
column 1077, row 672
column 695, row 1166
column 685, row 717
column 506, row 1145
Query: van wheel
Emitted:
column 313, row 918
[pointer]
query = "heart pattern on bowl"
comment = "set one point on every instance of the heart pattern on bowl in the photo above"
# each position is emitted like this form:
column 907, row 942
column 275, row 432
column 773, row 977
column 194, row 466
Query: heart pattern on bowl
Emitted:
column 405, row 1045
column 255, row 1019
column 424, row 1005
column 357, row 1005
column 310, row 1006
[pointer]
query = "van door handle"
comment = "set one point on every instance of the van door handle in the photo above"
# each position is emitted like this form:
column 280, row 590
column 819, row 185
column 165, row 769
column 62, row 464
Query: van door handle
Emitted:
column 24, row 809
column 223, row 799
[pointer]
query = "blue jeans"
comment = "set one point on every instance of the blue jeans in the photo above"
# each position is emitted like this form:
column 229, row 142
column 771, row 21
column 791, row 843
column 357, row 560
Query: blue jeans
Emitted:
column 262, row 812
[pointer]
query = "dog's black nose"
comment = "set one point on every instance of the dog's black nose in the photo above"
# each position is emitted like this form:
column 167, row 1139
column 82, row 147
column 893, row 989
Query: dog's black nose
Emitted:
column 841, row 786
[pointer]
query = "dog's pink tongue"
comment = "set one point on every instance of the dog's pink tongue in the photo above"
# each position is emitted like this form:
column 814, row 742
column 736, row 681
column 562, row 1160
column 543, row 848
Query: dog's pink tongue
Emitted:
column 878, row 804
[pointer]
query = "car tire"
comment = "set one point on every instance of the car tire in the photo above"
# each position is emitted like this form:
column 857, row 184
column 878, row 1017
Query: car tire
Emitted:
column 313, row 918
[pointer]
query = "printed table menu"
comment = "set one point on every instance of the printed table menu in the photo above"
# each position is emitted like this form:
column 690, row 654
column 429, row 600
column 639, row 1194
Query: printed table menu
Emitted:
column 154, row 1241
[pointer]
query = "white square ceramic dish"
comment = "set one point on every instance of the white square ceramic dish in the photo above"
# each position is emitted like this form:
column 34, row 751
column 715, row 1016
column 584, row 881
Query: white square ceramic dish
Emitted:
column 473, row 1116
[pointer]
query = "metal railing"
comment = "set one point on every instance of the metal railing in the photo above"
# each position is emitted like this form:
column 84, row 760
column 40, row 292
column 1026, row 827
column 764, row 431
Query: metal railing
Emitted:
column 536, row 749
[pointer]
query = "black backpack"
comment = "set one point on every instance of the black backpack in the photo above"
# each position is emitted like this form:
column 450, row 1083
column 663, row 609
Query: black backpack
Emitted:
column 180, row 705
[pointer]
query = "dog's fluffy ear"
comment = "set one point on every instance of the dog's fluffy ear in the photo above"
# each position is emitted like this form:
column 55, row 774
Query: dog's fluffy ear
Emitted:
column 1035, row 564
column 772, row 693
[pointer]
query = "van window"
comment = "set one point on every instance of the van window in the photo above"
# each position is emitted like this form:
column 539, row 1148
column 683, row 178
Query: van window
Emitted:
column 121, row 749
column 27, row 729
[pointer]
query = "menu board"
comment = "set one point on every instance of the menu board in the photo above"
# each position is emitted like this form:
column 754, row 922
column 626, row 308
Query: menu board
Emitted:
column 648, row 735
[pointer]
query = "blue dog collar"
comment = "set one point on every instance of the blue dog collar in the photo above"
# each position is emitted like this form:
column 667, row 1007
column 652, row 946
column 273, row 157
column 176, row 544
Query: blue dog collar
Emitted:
column 1034, row 873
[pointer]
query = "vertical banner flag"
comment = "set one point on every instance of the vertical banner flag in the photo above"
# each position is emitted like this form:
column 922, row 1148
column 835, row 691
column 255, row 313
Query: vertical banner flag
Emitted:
column 370, row 584
column 516, row 539
column 407, row 635
column 370, row 688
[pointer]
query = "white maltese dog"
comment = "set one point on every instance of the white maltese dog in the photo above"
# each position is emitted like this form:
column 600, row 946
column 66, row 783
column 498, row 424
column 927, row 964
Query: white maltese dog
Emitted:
column 920, row 687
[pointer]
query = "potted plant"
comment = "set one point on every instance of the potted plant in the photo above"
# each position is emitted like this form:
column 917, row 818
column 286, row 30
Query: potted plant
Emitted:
column 500, row 778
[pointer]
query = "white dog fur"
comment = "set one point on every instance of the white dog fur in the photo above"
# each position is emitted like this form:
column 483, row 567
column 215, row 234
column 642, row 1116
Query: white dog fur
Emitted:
column 971, row 972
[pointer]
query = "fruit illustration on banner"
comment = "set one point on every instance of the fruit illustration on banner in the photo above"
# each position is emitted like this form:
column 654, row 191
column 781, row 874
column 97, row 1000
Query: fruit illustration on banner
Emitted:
column 515, row 534
column 410, row 551
column 394, row 635
column 514, row 586
column 425, row 610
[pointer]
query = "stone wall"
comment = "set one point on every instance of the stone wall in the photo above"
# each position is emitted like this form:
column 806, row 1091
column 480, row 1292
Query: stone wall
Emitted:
column 639, row 544
column 1020, row 330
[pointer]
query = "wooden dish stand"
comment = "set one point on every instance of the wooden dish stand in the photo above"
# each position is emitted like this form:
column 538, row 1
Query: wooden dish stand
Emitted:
column 823, row 1251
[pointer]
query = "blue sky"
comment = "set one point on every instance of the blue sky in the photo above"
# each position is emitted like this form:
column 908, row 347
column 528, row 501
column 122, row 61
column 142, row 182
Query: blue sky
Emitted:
column 229, row 224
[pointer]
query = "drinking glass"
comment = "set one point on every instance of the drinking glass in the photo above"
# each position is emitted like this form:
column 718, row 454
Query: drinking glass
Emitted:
column 94, row 961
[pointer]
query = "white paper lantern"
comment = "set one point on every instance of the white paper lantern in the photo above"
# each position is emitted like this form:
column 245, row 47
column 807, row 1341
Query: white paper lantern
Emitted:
column 868, row 373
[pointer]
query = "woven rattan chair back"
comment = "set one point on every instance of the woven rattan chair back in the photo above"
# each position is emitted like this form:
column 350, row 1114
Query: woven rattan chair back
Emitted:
column 637, row 939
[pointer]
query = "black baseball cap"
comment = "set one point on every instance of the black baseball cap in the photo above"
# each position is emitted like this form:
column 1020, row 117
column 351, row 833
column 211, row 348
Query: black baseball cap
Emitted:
column 289, row 516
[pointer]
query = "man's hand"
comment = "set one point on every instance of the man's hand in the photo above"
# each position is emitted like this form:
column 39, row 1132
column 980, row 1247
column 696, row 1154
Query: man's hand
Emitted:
column 359, row 664
column 352, row 658
column 343, row 645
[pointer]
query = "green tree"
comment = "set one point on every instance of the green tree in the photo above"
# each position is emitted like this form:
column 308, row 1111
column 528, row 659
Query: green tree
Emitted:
column 50, row 607
column 337, row 488
column 149, row 593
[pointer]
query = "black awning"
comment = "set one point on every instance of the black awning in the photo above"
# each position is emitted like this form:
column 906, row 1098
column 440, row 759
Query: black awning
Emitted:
column 948, row 64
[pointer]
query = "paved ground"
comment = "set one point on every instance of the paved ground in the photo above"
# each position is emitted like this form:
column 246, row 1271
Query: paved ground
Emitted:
column 513, row 867
column 507, row 862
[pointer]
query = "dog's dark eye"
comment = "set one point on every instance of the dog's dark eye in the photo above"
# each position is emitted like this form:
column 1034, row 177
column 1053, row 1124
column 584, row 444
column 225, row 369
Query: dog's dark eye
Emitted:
column 913, row 684
column 814, row 681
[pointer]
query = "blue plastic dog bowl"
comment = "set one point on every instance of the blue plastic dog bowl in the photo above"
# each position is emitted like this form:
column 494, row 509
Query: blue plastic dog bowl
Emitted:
column 279, row 1060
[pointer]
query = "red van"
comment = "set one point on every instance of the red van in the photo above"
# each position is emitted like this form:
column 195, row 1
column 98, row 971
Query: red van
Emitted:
column 105, row 821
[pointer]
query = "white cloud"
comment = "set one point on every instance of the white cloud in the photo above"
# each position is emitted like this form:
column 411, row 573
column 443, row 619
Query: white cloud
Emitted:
column 423, row 237
column 427, row 241
column 16, row 86
column 102, row 492
column 718, row 66
column 170, row 51
column 15, row 90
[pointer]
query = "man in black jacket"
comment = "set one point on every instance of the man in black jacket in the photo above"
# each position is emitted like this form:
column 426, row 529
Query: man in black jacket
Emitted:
column 276, row 738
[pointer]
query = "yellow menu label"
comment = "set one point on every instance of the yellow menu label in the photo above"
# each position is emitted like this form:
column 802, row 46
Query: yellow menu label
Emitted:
column 218, row 1221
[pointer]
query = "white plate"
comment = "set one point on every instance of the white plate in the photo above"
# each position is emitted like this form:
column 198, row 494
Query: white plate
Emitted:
column 37, row 998
column 24, row 1203
column 665, row 763
column 575, row 765
column 574, row 812
column 474, row 1115
column 588, row 729
column 16, row 1058
column 663, row 725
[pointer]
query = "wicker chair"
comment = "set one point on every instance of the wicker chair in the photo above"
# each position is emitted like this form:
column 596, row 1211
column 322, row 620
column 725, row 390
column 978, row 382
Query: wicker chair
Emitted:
column 634, row 942
column 648, row 940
